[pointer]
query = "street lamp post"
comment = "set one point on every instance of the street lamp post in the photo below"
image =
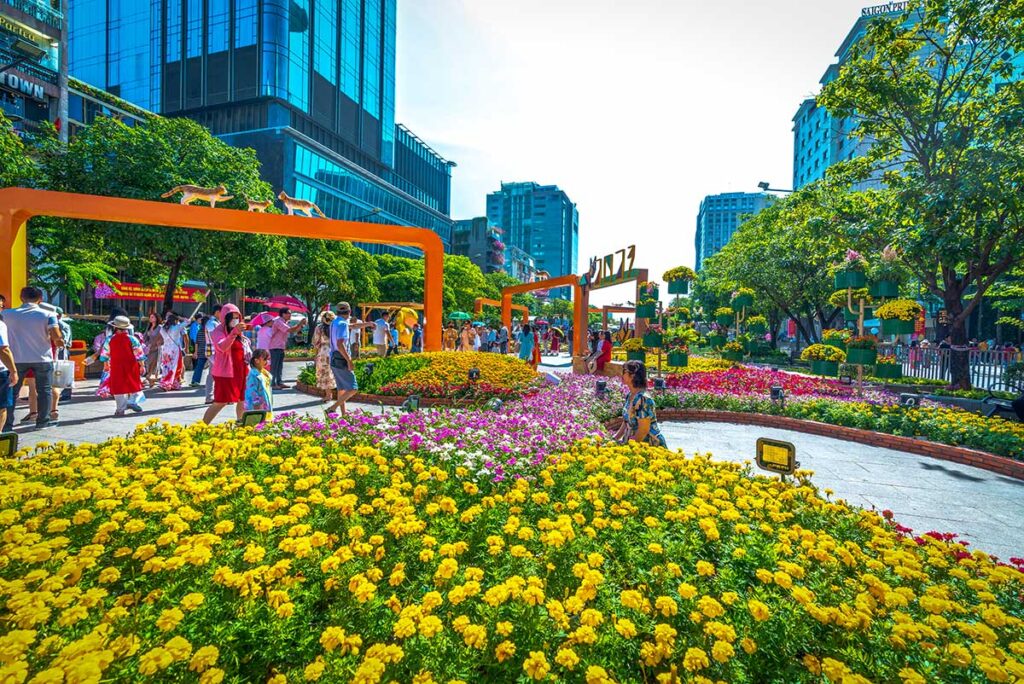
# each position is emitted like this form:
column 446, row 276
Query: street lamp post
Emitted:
column 374, row 212
column 766, row 187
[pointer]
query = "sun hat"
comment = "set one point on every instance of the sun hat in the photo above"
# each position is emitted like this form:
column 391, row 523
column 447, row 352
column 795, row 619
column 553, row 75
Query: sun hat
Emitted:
column 120, row 322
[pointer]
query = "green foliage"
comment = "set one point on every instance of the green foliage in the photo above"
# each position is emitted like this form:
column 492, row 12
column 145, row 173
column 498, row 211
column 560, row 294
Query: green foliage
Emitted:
column 387, row 370
column 16, row 166
column 85, row 330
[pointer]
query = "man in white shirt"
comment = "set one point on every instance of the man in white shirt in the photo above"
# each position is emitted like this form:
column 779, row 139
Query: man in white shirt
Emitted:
column 33, row 332
column 381, row 335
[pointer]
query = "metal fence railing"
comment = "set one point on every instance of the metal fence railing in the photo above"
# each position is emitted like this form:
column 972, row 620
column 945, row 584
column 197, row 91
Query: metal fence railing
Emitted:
column 987, row 367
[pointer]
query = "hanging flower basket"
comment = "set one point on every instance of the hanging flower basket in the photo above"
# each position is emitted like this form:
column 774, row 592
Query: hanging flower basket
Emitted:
column 889, row 371
column 850, row 278
column 826, row 368
column 678, row 359
column 652, row 339
column 636, row 356
column 850, row 317
column 646, row 311
column 897, row 326
column 736, row 356
column 725, row 320
column 717, row 341
column 758, row 328
column 885, row 289
column 742, row 300
column 861, row 357
column 679, row 287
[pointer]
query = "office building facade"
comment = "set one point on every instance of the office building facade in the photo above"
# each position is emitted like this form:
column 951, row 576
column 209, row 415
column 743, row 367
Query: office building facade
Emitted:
column 720, row 216
column 477, row 239
column 540, row 220
column 309, row 84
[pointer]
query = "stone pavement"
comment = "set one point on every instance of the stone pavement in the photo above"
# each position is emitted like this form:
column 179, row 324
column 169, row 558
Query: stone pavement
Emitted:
column 925, row 494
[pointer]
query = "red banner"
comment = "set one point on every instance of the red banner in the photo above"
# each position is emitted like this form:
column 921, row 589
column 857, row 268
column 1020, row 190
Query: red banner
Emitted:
column 137, row 292
column 919, row 325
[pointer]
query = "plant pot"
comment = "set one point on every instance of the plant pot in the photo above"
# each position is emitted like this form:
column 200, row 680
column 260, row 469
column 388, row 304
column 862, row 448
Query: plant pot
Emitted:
column 889, row 371
column 852, row 317
column 885, row 288
column 850, row 278
column 741, row 301
column 678, row 359
column 862, row 357
column 725, row 321
column 732, row 356
column 646, row 311
column 636, row 356
column 679, row 287
column 835, row 343
column 652, row 339
column 827, row 368
column 758, row 328
column 746, row 345
column 716, row 341
column 896, row 326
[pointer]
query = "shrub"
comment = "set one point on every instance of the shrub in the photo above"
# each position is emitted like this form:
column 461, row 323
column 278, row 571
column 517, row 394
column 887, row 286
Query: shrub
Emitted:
column 839, row 335
column 85, row 330
column 823, row 352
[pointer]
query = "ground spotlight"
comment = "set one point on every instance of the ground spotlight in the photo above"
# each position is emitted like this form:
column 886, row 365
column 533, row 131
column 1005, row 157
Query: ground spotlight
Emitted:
column 368, row 368
column 411, row 403
column 253, row 418
column 474, row 374
column 846, row 379
column 8, row 444
column 659, row 383
column 778, row 395
column 910, row 400
column 495, row 404
column 601, row 387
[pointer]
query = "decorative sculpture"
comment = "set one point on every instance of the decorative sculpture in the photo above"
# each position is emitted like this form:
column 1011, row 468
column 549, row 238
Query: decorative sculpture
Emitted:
column 192, row 193
column 259, row 206
column 405, row 320
column 293, row 206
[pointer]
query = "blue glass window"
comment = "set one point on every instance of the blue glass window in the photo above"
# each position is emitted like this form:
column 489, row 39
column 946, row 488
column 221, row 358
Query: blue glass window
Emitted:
column 87, row 56
column 217, row 17
column 388, row 94
column 173, row 30
column 194, row 44
column 325, row 48
column 298, row 53
column 372, row 33
column 245, row 23
column 351, row 29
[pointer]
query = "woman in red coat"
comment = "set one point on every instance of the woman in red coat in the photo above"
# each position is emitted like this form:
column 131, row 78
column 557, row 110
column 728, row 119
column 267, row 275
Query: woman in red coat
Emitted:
column 125, row 354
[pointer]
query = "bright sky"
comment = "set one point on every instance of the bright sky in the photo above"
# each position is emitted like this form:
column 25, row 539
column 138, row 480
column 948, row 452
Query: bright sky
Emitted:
column 636, row 108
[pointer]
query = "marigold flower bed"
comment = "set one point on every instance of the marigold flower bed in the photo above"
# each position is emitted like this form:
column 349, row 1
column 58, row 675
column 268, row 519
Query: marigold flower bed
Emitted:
column 215, row 555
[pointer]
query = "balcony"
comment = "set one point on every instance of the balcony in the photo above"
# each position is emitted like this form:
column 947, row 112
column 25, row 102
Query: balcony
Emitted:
column 39, row 9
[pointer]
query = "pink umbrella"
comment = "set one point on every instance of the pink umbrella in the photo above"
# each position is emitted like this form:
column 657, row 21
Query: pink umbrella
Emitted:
column 277, row 301
column 262, row 318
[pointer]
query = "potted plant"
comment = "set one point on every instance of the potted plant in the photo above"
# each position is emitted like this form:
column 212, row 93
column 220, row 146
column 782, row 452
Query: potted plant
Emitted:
column 679, row 279
column 742, row 297
column 757, row 324
column 839, row 299
column 647, row 308
column 732, row 351
column 653, row 336
column 825, row 359
column 678, row 341
column 679, row 313
column 850, row 272
column 862, row 350
column 888, row 367
column 898, row 316
column 745, row 340
column 886, row 274
column 634, row 348
column 717, row 337
column 649, row 290
column 836, row 337
column 725, row 316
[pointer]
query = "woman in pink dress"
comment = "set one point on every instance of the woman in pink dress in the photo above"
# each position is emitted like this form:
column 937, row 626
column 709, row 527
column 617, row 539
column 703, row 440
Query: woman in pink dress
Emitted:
column 172, row 357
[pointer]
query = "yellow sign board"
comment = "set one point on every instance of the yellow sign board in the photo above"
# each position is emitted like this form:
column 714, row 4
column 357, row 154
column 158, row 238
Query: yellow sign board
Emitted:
column 776, row 456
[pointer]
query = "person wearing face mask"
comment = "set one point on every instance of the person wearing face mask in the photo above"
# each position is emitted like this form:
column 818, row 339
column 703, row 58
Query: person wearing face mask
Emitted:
column 230, row 363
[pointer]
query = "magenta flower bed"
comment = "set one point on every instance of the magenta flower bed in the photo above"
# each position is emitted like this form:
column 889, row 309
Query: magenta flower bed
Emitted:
column 743, row 381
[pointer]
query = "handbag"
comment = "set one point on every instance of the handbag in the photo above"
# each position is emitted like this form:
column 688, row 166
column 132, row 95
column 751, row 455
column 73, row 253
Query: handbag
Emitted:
column 338, row 361
column 63, row 373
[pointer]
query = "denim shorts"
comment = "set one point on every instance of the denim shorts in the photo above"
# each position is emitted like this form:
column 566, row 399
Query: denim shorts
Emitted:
column 344, row 379
column 6, row 391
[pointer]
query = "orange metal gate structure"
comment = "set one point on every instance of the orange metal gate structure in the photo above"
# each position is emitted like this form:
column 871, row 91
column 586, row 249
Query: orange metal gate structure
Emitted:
column 578, row 301
column 481, row 302
column 18, row 205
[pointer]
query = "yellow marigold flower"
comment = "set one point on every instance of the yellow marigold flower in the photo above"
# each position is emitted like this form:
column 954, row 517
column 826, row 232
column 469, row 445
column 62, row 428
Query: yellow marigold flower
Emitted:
column 404, row 628
column 958, row 655
column 536, row 665
column 687, row 591
column 764, row 575
column 504, row 628
column 475, row 636
column 758, row 610
column 911, row 676
column 666, row 606
column 598, row 675
column 730, row 597
column 591, row 617
column 695, row 659
column 212, row 676
column 783, row 579
column 504, row 651
column 705, row 569
column 179, row 648
column 630, row 598
column 204, row 658
column 710, row 607
column 430, row 626
column 278, row 679
column 190, row 602
column 169, row 619
column 109, row 575
column 749, row 645
column 722, row 651
column 224, row 527
column 567, row 658
column 812, row 664
column 155, row 660
column 626, row 628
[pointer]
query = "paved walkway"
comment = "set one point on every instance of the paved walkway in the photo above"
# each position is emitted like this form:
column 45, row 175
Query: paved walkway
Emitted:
column 984, row 508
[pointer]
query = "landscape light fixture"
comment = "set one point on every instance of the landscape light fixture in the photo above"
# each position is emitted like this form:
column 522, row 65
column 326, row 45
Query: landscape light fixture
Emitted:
column 8, row 444
column 659, row 383
column 253, row 418
column 474, row 374
column 910, row 400
column 846, row 379
column 778, row 395
column 411, row 403
column 601, row 387
column 368, row 368
column 495, row 404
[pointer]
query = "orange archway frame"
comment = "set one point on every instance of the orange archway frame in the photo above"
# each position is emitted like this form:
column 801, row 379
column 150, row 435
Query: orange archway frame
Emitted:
column 605, row 310
column 578, row 300
column 18, row 205
column 481, row 302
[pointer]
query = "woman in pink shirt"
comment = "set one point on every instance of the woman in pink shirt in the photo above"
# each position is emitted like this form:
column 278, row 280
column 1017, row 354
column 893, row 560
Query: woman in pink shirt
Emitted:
column 230, row 363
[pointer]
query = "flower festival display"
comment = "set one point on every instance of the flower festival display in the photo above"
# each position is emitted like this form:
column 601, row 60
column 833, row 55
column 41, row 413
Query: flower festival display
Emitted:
column 679, row 279
column 898, row 316
column 824, row 358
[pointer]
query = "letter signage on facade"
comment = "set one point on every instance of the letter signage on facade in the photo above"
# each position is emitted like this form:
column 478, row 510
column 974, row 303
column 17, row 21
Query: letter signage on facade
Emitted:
column 884, row 9
column 20, row 84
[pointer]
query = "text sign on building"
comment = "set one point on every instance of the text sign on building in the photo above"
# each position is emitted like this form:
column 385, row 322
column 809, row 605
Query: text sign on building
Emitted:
column 612, row 267
column 777, row 456
column 22, row 85
column 884, row 9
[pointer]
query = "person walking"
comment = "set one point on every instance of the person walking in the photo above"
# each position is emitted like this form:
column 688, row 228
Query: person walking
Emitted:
column 8, row 373
column 32, row 334
column 126, row 357
column 281, row 327
column 450, row 338
column 381, row 335
column 259, row 394
column 502, row 339
column 345, row 384
column 200, row 352
column 416, row 346
column 467, row 337
column 230, row 363
column 212, row 321
column 322, row 345
column 154, row 340
column 526, row 342
column 172, row 353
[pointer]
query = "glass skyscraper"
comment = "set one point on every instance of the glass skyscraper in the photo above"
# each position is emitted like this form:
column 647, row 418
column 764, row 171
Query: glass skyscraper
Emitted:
column 720, row 216
column 542, row 221
column 309, row 84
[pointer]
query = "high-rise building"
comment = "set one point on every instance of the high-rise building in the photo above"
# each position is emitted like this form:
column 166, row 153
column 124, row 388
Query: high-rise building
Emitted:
column 477, row 239
column 309, row 84
column 720, row 216
column 821, row 140
column 542, row 221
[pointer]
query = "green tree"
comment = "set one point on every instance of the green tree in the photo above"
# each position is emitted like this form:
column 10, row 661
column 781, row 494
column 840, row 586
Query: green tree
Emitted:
column 16, row 166
column 463, row 283
column 146, row 160
column 934, row 90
